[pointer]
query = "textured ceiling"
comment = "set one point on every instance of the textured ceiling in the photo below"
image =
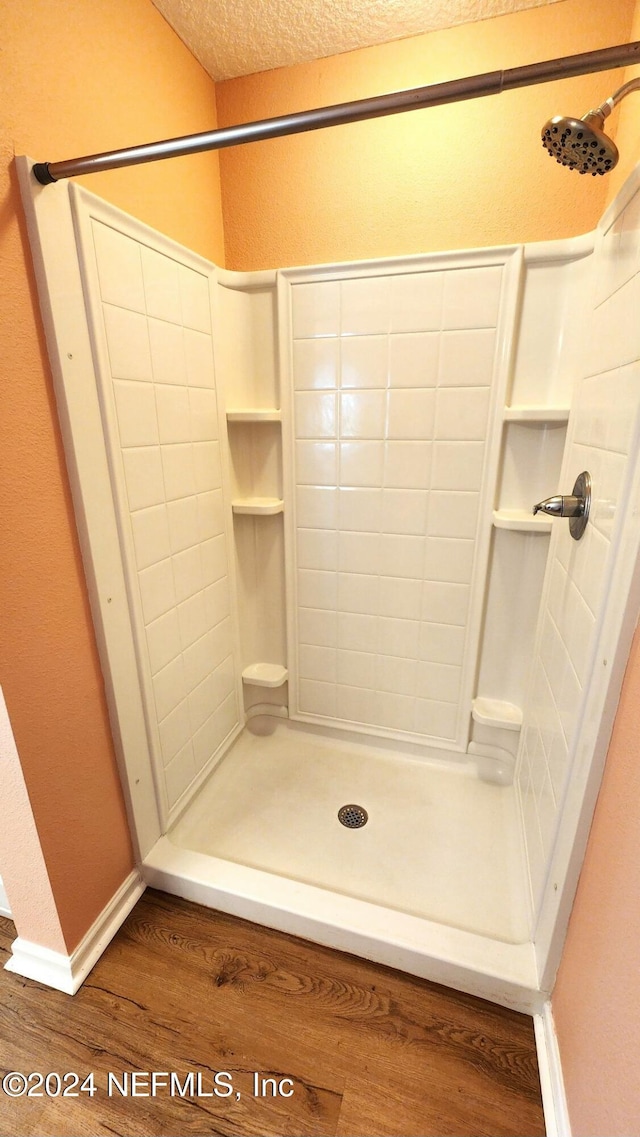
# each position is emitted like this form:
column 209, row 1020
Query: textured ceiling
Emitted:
column 239, row 37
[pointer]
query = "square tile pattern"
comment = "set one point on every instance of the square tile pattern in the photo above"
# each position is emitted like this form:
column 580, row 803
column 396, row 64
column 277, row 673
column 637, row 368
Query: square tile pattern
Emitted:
column 392, row 378
column 604, row 422
column 159, row 341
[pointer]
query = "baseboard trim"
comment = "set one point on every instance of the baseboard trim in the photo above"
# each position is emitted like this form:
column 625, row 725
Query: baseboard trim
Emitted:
column 556, row 1114
column 68, row 972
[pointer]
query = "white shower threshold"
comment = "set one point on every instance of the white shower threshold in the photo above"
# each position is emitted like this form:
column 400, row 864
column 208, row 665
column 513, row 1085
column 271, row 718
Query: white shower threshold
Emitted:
column 434, row 884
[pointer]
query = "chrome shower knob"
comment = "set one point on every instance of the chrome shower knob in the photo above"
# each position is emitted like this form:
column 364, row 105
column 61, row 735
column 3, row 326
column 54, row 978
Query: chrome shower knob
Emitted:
column 565, row 505
column 575, row 505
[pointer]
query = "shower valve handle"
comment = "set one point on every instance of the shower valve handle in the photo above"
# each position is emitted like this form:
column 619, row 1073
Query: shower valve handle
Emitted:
column 575, row 505
column 565, row 505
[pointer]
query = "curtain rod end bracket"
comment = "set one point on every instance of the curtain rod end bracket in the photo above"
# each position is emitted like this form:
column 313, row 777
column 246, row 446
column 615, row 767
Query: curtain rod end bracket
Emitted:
column 42, row 173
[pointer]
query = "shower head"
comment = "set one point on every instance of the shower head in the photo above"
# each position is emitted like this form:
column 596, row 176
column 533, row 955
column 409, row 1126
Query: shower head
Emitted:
column 580, row 143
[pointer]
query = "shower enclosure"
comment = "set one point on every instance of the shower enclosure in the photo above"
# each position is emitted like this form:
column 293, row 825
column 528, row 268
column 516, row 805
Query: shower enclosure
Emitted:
column 305, row 500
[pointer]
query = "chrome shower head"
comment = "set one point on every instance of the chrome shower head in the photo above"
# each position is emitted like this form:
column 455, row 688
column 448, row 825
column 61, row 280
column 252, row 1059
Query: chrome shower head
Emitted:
column 580, row 144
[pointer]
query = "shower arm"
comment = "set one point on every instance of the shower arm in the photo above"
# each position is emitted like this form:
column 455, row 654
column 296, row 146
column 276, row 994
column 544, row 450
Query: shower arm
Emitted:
column 602, row 112
column 435, row 94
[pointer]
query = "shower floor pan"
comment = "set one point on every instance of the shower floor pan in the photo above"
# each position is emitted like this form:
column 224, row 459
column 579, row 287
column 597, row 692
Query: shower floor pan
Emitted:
column 433, row 883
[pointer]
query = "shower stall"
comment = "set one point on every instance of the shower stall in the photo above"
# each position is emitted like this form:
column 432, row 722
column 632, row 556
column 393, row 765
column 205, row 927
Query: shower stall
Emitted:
column 305, row 499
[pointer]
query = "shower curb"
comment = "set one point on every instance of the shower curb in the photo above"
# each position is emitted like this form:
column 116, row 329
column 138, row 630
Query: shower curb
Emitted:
column 500, row 972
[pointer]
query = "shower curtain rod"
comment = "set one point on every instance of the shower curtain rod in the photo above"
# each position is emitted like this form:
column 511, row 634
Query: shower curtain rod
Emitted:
column 435, row 94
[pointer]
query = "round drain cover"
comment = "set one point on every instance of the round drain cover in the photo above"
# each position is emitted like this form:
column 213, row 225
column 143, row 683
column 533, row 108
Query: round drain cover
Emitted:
column 353, row 816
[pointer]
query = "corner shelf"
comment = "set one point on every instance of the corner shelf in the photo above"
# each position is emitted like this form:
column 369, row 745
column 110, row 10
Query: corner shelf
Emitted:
column 248, row 375
column 265, row 675
column 520, row 520
column 259, row 506
column 534, row 413
column 254, row 414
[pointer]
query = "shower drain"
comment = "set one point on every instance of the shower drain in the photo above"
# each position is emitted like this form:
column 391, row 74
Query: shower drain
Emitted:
column 353, row 816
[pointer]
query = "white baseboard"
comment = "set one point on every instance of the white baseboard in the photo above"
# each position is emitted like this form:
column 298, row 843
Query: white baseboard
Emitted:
column 68, row 972
column 4, row 901
column 556, row 1114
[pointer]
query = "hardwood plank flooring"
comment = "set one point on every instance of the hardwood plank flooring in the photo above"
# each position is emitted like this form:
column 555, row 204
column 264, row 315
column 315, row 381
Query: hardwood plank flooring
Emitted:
column 369, row 1052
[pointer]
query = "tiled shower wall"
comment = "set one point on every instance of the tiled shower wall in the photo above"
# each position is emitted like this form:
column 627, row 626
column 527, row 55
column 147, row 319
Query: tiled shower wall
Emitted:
column 159, row 402
column 603, row 426
column 392, row 379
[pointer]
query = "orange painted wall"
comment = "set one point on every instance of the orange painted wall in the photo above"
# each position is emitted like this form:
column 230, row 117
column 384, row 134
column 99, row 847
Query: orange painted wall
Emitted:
column 628, row 131
column 77, row 76
column 596, row 1001
column 442, row 178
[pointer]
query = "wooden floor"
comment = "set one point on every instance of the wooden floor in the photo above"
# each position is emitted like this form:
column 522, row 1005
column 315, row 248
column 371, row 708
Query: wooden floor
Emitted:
column 368, row 1052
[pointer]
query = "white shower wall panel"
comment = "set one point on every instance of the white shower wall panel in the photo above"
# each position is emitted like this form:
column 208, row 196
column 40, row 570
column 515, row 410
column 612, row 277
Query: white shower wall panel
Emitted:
column 396, row 379
column 603, row 439
column 400, row 372
column 151, row 314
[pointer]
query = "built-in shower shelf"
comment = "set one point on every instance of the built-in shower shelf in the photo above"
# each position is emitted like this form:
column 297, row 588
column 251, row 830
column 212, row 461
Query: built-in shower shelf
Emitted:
column 533, row 413
column 265, row 674
column 496, row 712
column 255, row 414
column 521, row 520
column 264, row 506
